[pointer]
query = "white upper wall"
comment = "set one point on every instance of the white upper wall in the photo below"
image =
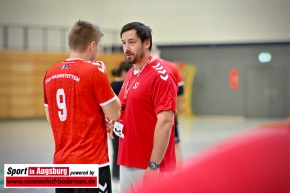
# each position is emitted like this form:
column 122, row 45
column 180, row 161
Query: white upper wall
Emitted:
column 172, row 22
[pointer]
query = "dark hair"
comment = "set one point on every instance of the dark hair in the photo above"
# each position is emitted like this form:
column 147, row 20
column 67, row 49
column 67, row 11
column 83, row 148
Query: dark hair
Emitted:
column 115, row 72
column 82, row 33
column 124, row 66
column 142, row 31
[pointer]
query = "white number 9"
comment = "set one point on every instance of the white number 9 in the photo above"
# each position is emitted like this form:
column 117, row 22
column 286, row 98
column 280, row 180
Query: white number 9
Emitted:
column 60, row 100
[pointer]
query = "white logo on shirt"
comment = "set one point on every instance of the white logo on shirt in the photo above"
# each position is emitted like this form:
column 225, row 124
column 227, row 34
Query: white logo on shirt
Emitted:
column 136, row 85
column 161, row 71
column 102, row 69
column 100, row 66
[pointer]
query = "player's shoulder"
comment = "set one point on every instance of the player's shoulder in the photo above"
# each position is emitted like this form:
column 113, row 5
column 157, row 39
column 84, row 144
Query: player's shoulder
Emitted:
column 55, row 68
column 167, row 62
column 95, row 66
column 171, row 65
column 160, row 70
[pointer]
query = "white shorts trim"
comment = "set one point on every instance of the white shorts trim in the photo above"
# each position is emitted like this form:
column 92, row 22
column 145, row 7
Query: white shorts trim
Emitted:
column 104, row 165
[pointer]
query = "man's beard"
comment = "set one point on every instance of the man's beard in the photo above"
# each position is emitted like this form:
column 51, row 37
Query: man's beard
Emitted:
column 136, row 58
column 133, row 60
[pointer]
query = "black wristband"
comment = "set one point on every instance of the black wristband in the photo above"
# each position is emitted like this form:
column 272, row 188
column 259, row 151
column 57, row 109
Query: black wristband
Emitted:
column 153, row 165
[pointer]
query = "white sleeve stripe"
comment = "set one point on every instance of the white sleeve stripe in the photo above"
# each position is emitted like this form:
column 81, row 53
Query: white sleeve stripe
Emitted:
column 46, row 105
column 109, row 101
column 181, row 83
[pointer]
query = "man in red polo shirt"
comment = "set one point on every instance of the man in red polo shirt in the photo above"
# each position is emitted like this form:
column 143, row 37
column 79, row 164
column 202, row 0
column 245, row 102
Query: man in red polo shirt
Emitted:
column 148, row 98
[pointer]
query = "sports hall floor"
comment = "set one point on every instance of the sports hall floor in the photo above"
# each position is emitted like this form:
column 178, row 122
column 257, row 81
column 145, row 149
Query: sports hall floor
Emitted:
column 31, row 141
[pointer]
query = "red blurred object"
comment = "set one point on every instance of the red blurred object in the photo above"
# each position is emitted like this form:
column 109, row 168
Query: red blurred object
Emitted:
column 257, row 161
column 234, row 79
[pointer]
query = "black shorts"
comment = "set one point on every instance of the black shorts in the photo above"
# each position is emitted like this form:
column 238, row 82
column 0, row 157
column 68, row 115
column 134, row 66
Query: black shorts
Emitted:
column 105, row 184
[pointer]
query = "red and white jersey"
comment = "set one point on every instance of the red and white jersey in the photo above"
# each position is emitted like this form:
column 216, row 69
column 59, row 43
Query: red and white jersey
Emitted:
column 153, row 90
column 174, row 68
column 74, row 91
